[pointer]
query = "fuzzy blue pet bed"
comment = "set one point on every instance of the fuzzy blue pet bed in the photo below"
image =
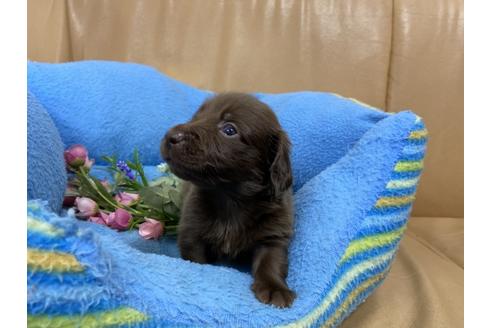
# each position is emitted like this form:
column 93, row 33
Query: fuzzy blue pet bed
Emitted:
column 355, row 175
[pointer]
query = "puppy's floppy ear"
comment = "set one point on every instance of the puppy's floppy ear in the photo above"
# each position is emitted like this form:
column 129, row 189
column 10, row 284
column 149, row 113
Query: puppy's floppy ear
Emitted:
column 280, row 169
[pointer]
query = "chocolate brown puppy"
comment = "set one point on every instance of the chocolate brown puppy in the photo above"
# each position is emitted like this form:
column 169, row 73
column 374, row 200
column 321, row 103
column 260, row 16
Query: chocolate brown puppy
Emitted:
column 237, row 204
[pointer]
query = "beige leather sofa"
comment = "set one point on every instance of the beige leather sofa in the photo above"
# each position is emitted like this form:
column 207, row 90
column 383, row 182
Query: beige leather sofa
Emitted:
column 392, row 54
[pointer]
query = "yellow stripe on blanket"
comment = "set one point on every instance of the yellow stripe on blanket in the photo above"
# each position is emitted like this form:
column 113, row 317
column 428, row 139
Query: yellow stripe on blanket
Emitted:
column 111, row 318
column 52, row 261
column 342, row 309
column 33, row 206
column 42, row 227
column 395, row 201
column 418, row 134
column 402, row 183
column 406, row 166
column 341, row 284
column 364, row 244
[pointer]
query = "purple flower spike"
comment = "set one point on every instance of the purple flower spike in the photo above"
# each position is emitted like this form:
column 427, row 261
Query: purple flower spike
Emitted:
column 123, row 167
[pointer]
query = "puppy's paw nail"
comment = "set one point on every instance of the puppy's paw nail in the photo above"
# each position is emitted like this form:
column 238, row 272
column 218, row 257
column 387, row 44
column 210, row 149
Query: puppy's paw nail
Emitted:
column 280, row 297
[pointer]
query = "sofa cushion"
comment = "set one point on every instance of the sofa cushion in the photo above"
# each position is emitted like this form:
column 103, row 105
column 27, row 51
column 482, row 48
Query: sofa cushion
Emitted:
column 424, row 287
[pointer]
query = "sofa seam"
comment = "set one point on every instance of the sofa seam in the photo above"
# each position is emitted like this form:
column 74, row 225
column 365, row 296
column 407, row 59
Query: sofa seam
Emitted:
column 390, row 57
column 69, row 30
column 436, row 251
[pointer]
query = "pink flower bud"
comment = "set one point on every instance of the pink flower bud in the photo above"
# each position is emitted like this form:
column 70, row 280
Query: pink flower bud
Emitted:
column 76, row 156
column 126, row 198
column 86, row 207
column 151, row 229
column 69, row 201
column 105, row 217
column 119, row 219
column 88, row 163
column 106, row 184
column 70, row 195
column 97, row 219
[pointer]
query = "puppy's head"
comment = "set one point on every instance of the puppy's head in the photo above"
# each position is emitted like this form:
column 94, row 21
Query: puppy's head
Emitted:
column 233, row 141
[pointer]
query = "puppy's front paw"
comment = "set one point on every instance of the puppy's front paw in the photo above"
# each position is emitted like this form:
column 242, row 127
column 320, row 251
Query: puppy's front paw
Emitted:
column 275, row 295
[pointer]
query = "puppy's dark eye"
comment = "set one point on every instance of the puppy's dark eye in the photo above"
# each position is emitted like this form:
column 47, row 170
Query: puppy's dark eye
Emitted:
column 229, row 129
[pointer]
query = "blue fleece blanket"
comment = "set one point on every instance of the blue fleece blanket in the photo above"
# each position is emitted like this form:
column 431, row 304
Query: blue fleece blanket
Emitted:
column 355, row 172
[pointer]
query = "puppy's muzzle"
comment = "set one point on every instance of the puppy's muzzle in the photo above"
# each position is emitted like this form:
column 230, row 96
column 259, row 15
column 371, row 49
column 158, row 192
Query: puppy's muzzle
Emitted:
column 175, row 137
column 173, row 142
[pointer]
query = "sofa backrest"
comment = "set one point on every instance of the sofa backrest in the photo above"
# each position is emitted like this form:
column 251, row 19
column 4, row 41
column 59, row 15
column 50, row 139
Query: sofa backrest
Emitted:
column 391, row 54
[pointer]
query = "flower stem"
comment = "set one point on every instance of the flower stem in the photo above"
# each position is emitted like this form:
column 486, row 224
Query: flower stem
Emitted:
column 88, row 178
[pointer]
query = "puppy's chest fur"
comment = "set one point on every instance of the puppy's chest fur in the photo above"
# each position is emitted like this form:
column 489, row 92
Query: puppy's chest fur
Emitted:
column 230, row 231
column 229, row 228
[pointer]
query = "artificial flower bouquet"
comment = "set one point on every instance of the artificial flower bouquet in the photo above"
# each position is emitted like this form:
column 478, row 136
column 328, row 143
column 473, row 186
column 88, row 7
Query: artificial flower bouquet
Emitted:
column 127, row 200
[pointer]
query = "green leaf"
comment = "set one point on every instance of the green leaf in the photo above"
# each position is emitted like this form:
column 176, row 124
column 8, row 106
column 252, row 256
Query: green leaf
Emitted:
column 152, row 213
column 142, row 176
column 152, row 198
column 102, row 189
column 131, row 165
column 135, row 156
column 92, row 188
column 163, row 190
column 154, row 202
column 175, row 197
column 159, row 181
column 86, row 189
column 109, row 159
column 139, row 168
column 171, row 209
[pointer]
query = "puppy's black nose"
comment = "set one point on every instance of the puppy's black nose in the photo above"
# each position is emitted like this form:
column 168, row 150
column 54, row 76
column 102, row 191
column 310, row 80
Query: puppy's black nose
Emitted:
column 176, row 138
